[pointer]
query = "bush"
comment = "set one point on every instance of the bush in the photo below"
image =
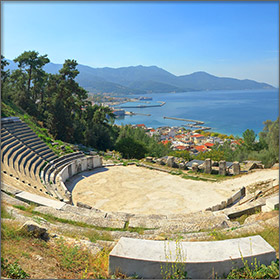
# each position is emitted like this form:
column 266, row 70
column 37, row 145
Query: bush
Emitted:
column 12, row 270
column 256, row 271
column 130, row 148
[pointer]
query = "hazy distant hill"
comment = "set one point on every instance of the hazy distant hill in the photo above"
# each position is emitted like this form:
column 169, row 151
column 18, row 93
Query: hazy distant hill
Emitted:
column 150, row 79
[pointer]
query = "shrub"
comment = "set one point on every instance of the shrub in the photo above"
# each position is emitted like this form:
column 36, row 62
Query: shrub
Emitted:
column 12, row 270
column 255, row 271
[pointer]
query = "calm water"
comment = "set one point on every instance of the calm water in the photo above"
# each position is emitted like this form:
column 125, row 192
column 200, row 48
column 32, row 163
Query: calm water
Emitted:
column 229, row 112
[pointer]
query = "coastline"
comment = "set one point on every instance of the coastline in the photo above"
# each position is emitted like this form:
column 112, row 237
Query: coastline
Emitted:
column 226, row 112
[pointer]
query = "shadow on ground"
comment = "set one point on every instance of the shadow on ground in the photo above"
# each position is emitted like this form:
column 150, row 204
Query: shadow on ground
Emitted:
column 70, row 184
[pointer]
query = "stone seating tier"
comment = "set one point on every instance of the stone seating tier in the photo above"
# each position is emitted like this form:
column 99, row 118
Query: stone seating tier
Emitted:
column 51, row 166
column 61, row 166
column 12, row 151
column 201, row 260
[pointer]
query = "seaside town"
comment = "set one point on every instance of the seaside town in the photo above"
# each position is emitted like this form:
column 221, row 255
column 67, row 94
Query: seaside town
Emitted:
column 183, row 139
column 179, row 138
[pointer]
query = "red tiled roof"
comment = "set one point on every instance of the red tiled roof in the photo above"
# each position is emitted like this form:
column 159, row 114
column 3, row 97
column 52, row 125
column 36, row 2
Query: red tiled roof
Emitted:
column 209, row 144
column 165, row 142
column 153, row 130
column 197, row 135
column 181, row 147
column 200, row 148
column 180, row 136
column 140, row 125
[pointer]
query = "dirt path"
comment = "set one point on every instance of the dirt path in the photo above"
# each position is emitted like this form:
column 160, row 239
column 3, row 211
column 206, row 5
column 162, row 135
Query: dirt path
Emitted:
column 143, row 191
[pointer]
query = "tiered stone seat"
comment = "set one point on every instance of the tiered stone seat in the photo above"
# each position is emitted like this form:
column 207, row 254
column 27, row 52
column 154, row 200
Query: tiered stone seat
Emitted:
column 58, row 163
column 201, row 260
column 23, row 153
column 27, row 158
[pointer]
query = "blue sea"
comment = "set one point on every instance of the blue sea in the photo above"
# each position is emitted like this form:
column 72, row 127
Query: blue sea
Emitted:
column 228, row 112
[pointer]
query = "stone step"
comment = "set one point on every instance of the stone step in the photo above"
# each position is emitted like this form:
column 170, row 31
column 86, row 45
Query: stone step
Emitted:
column 8, row 144
column 271, row 204
column 13, row 151
column 201, row 260
column 62, row 165
column 39, row 200
column 7, row 150
column 27, row 161
column 53, row 162
column 17, row 156
column 22, row 158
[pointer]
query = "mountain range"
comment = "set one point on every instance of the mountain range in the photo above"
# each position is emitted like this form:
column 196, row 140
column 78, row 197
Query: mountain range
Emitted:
column 149, row 79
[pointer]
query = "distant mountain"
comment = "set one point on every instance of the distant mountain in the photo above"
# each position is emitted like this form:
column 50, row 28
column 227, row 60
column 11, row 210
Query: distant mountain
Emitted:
column 150, row 79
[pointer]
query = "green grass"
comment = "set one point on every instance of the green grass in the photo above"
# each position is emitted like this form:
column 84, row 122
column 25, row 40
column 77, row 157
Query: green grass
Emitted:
column 94, row 235
column 12, row 270
column 269, row 234
column 5, row 214
column 255, row 270
column 194, row 178
column 242, row 218
column 12, row 232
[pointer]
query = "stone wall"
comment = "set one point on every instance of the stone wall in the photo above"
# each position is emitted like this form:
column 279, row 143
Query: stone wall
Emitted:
column 237, row 196
column 75, row 167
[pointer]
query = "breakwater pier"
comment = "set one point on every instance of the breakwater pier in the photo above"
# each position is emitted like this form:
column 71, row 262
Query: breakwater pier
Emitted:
column 134, row 114
column 161, row 103
column 196, row 124
column 184, row 120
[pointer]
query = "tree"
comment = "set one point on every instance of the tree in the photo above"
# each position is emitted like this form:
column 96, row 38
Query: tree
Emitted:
column 130, row 148
column 31, row 62
column 249, row 138
column 5, row 74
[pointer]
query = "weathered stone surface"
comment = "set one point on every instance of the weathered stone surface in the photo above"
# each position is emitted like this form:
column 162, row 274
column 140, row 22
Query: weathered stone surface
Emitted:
column 170, row 161
column 236, row 168
column 222, row 167
column 146, row 222
column 149, row 159
column 160, row 161
column 145, row 258
column 208, row 166
column 82, row 215
column 83, row 205
column 9, row 189
column 39, row 200
column 182, row 166
column 195, row 167
column 11, row 200
column 36, row 230
column 273, row 202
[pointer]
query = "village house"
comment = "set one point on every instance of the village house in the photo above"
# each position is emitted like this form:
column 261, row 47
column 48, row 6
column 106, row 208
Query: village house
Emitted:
column 198, row 138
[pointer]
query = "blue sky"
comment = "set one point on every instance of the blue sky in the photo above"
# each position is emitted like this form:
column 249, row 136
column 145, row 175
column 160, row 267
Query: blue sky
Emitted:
column 227, row 39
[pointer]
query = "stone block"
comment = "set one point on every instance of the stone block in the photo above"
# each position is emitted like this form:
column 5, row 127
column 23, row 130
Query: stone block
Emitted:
column 182, row 166
column 273, row 202
column 216, row 207
column 160, row 161
column 145, row 258
column 83, row 205
column 236, row 168
column 39, row 200
column 149, row 159
column 222, row 167
column 208, row 166
column 36, row 230
column 195, row 167
column 170, row 161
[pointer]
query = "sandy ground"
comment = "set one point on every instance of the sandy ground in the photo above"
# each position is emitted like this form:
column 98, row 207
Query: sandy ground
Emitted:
column 143, row 191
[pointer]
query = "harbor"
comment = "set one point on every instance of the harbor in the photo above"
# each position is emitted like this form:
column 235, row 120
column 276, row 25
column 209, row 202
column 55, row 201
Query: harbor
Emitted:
column 196, row 124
